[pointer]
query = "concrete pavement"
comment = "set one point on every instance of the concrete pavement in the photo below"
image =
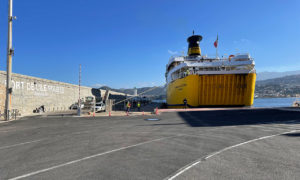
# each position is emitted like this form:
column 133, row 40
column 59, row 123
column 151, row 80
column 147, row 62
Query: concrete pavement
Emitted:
column 233, row 144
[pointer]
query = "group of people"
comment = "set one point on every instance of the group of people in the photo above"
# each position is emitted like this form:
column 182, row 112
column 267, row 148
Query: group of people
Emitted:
column 189, row 72
column 40, row 109
column 129, row 105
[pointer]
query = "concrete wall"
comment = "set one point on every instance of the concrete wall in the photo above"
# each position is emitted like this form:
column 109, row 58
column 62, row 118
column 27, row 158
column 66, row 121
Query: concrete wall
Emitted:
column 30, row 93
column 2, row 96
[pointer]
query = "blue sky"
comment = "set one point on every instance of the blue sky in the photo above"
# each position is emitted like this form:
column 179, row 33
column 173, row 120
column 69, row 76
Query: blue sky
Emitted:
column 128, row 43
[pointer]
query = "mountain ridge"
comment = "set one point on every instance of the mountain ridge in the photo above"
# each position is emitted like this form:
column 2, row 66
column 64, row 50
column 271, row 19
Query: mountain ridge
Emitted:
column 271, row 75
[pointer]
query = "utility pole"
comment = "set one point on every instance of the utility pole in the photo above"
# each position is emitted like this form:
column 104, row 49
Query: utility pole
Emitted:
column 79, row 100
column 10, row 53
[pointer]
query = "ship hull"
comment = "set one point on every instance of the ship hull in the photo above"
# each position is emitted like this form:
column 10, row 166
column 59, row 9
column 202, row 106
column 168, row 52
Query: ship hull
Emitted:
column 212, row 90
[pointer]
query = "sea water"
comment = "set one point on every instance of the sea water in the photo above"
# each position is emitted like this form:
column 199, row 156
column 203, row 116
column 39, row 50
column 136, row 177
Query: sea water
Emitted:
column 263, row 102
column 273, row 102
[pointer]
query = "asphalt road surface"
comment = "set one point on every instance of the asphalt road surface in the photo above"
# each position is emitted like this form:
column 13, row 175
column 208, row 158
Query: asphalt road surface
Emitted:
column 231, row 144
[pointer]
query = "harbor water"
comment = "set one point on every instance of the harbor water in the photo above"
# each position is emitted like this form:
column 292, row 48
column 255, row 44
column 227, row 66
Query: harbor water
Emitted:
column 263, row 102
column 274, row 102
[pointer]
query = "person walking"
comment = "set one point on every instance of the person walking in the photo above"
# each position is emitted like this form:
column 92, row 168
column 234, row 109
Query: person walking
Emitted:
column 188, row 72
column 128, row 106
column 185, row 103
column 139, row 106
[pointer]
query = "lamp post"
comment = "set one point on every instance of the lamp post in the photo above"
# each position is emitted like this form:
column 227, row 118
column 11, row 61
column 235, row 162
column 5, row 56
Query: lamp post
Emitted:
column 10, row 53
column 79, row 100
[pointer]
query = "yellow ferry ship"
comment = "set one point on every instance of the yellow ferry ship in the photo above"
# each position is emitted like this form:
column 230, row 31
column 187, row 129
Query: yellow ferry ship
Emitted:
column 202, row 81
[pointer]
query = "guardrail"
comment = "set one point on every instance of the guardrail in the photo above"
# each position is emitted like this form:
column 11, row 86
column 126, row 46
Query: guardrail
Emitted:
column 14, row 113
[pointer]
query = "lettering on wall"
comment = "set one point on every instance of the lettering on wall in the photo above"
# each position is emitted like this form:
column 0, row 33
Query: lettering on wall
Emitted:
column 38, row 88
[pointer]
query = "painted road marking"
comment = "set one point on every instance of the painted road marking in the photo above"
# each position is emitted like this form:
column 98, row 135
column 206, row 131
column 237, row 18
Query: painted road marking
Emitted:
column 20, row 144
column 276, row 127
column 88, row 157
column 182, row 170
column 38, row 140
column 14, row 129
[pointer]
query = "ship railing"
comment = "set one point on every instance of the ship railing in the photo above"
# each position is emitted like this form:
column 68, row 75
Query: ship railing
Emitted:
column 184, row 73
column 216, row 59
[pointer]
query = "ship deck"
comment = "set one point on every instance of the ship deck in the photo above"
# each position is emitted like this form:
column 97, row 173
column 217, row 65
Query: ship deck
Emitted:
column 239, row 143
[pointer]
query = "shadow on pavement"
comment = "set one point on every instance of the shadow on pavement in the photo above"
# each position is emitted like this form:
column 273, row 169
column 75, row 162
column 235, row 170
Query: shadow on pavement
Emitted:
column 53, row 114
column 239, row 117
column 292, row 135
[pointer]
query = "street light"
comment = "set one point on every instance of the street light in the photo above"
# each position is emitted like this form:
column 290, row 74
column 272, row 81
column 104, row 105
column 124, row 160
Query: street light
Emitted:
column 10, row 53
column 79, row 100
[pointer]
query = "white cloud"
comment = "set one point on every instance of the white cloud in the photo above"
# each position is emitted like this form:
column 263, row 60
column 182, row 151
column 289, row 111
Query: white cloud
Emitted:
column 242, row 41
column 144, row 84
column 148, row 84
column 245, row 40
column 97, row 85
column 172, row 52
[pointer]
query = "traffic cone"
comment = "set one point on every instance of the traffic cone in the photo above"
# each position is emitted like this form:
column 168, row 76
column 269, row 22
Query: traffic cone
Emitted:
column 109, row 114
column 143, row 113
column 156, row 111
column 93, row 114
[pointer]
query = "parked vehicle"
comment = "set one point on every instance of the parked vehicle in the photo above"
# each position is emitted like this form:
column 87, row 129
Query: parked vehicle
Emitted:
column 75, row 106
column 100, row 106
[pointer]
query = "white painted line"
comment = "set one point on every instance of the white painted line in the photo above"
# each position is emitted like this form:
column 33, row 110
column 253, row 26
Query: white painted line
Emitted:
column 277, row 125
column 20, row 144
column 81, row 132
column 269, row 128
column 16, row 129
column 182, row 170
column 4, row 131
column 86, row 158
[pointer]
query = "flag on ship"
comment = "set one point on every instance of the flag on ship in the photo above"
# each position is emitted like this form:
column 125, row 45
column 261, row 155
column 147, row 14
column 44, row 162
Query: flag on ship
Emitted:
column 216, row 42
